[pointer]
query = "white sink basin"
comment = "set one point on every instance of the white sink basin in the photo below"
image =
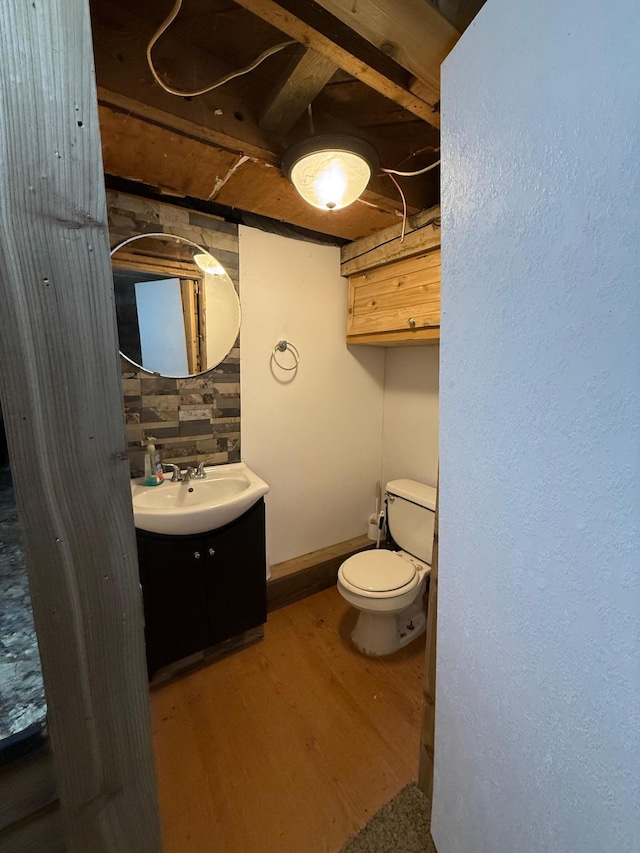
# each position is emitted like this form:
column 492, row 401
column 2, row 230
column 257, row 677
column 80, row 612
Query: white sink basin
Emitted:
column 196, row 506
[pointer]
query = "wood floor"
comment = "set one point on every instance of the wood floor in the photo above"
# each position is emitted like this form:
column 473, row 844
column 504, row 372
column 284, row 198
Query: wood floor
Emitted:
column 288, row 746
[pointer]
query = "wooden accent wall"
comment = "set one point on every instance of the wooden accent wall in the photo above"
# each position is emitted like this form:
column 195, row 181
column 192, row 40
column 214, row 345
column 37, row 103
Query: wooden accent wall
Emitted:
column 420, row 234
column 195, row 419
column 398, row 303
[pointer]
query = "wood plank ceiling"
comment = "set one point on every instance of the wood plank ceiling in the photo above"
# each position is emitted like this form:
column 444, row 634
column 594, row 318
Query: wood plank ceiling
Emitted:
column 369, row 68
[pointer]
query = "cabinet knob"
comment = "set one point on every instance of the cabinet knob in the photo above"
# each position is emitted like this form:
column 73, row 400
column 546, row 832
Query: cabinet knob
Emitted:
column 212, row 551
column 196, row 555
column 412, row 322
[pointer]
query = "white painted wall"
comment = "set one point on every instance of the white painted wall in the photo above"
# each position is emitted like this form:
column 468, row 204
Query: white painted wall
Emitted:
column 538, row 726
column 410, row 430
column 316, row 435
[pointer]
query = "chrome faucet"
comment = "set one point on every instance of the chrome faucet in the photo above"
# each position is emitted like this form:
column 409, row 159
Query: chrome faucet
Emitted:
column 176, row 474
column 190, row 473
column 200, row 473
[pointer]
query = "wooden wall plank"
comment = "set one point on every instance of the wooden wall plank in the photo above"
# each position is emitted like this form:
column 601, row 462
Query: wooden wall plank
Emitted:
column 360, row 248
column 404, row 273
column 425, row 313
column 60, row 389
column 422, row 233
column 403, row 295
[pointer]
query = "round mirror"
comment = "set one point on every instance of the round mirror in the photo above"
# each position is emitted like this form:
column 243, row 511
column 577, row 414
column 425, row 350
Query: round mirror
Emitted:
column 178, row 311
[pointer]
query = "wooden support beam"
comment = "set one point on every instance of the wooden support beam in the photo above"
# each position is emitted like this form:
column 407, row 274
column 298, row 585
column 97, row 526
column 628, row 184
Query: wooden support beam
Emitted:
column 310, row 24
column 305, row 77
column 412, row 32
column 422, row 233
column 165, row 119
column 61, row 394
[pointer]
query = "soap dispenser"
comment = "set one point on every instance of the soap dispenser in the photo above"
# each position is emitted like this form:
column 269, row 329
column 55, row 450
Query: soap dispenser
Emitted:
column 153, row 475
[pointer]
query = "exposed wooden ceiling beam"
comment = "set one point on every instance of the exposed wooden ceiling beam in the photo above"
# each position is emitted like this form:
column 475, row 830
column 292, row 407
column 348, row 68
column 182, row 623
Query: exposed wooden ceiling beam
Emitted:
column 180, row 164
column 380, row 193
column 313, row 26
column 238, row 138
column 412, row 32
column 305, row 77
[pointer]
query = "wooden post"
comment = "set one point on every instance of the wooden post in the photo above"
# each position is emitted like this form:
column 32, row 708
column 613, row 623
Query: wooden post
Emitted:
column 60, row 389
column 427, row 737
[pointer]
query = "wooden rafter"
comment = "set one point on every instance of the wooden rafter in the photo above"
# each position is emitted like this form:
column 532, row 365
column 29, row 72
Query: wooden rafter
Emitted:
column 313, row 26
column 305, row 77
column 412, row 32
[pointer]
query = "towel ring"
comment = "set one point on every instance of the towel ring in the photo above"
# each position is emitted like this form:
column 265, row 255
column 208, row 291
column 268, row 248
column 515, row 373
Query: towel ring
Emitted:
column 283, row 346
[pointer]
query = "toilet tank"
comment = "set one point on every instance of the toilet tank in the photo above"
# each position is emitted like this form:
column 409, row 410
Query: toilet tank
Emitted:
column 411, row 512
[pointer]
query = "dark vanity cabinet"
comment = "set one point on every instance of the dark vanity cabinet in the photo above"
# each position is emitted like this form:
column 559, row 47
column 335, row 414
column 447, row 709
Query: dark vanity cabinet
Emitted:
column 199, row 590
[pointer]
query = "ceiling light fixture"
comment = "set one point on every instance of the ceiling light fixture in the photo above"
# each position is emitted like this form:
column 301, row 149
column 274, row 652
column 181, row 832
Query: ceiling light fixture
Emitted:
column 331, row 171
column 207, row 262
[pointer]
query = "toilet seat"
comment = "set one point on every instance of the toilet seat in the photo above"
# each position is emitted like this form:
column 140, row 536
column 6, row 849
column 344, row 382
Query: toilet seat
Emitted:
column 378, row 574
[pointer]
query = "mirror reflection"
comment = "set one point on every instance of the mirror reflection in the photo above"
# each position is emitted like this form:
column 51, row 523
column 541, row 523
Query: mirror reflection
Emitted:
column 178, row 311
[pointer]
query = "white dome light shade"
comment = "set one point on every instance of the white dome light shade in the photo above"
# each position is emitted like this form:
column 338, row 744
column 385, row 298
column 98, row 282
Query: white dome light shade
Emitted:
column 330, row 179
column 330, row 172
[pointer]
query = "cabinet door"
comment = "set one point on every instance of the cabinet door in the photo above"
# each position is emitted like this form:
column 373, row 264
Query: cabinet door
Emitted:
column 172, row 573
column 400, row 296
column 236, row 576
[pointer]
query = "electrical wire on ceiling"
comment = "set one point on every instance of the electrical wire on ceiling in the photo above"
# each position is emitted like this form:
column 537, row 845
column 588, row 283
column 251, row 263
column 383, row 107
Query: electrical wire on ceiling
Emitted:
column 163, row 28
column 411, row 174
column 404, row 206
column 391, row 173
column 231, row 76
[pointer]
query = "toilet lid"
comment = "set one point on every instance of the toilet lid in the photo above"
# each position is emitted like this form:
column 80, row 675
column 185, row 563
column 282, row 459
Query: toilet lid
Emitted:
column 378, row 571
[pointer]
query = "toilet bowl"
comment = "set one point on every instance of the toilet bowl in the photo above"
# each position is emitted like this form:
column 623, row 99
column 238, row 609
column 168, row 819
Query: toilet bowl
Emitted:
column 387, row 586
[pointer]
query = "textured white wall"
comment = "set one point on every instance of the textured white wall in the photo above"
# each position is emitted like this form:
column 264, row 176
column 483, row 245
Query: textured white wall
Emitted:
column 410, row 430
column 538, row 727
column 317, row 439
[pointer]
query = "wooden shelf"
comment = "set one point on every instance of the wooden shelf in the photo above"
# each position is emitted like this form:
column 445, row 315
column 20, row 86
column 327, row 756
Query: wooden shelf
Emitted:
column 419, row 337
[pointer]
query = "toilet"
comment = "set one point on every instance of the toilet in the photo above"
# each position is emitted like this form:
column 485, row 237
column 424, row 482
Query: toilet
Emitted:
column 387, row 586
